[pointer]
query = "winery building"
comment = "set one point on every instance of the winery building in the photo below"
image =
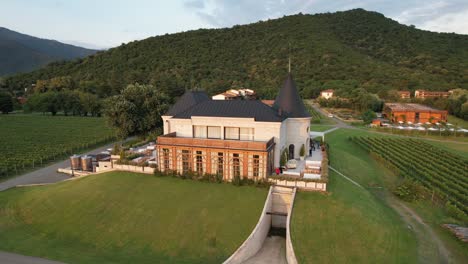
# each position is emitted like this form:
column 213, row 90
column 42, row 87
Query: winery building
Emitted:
column 233, row 137
column 415, row 113
column 423, row 94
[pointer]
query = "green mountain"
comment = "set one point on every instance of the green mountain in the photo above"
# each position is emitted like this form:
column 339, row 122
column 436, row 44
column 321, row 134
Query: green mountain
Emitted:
column 23, row 53
column 341, row 50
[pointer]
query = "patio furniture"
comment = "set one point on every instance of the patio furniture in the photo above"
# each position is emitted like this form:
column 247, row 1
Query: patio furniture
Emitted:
column 291, row 164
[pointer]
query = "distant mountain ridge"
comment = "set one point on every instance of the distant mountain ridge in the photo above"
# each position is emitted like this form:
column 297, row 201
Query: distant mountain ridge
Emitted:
column 342, row 51
column 22, row 53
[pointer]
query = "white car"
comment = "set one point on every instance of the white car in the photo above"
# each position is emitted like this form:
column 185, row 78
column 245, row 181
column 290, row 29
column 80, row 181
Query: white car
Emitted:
column 330, row 115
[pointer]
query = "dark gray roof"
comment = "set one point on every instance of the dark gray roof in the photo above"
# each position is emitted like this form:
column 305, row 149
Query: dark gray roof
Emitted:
column 186, row 101
column 235, row 108
column 288, row 102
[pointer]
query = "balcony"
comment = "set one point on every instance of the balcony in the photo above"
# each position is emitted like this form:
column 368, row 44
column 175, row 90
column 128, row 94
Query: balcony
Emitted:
column 172, row 140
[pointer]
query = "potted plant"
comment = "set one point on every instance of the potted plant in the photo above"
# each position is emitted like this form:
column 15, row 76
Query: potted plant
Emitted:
column 302, row 152
column 283, row 159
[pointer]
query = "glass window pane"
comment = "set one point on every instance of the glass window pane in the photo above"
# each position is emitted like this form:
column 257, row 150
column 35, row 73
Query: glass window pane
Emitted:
column 199, row 131
column 231, row 133
column 214, row 132
column 246, row 133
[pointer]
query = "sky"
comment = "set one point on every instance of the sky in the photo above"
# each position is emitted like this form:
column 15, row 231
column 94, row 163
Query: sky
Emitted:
column 108, row 23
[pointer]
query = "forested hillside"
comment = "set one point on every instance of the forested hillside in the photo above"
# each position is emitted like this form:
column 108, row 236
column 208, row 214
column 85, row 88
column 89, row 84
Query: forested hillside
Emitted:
column 340, row 50
column 22, row 53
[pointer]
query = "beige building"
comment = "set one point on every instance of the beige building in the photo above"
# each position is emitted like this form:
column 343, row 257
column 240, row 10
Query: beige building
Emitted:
column 327, row 94
column 233, row 137
column 430, row 94
column 233, row 94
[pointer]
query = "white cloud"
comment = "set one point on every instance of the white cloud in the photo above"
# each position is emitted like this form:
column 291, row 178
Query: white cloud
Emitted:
column 453, row 22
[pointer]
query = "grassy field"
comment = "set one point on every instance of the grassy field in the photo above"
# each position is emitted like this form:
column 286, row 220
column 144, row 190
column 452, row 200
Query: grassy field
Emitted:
column 354, row 162
column 31, row 140
column 457, row 121
column 351, row 225
column 129, row 218
column 320, row 128
column 348, row 226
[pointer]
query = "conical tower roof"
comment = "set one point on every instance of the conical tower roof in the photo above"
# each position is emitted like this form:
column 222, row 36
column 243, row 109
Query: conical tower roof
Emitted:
column 288, row 103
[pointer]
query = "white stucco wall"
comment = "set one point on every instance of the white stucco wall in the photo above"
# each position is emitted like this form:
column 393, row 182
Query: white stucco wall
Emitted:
column 291, row 131
column 297, row 133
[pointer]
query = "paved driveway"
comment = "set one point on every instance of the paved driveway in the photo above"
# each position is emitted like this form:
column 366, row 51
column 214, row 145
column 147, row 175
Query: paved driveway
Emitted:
column 47, row 174
column 11, row 258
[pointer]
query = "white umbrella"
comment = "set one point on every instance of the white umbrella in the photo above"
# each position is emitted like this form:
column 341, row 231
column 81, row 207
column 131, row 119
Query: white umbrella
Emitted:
column 401, row 122
column 409, row 122
column 448, row 124
column 428, row 123
column 438, row 123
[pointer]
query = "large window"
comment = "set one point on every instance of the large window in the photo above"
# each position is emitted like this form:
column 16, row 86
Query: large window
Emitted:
column 199, row 162
column 199, row 131
column 256, row 165
column 246, row 133
column 231, row 133
column 220, row 163
column 214, row 132
column 236, row 165
column 186, row 161
column 166, row 158
column 239, row 133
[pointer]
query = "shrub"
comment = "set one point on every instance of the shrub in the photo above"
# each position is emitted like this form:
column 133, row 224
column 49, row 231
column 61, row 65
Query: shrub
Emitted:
column 409, row 190
column 302, row 151
column 236, row 181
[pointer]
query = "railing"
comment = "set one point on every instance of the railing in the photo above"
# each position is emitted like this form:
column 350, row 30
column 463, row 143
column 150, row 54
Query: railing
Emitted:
column 172, row 139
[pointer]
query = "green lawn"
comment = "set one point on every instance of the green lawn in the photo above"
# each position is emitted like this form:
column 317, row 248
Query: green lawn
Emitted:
column 351, row 225
column 129, row 218
column 29, row 141
column 354, row 162
column 348, row 226
column 320, row 128
column 457, row 121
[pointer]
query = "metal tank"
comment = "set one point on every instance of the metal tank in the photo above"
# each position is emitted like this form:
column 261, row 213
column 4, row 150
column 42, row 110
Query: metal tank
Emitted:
column 87, row 163
column 75, row 162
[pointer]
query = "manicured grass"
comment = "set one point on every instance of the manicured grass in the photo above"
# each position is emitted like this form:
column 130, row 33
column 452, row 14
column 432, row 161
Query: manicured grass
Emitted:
column 29, row 141
column 351, row 225
column 123, row 217
column 351, row 160
column 457, row 121
column 348, row 226
column 320, row 128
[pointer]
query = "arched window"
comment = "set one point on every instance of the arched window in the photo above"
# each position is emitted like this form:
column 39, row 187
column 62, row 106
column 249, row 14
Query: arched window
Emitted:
column 291, row 151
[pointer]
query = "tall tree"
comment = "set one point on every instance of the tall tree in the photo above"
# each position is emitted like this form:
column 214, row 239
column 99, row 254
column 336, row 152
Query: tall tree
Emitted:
column 136, row 110
column 6, row 103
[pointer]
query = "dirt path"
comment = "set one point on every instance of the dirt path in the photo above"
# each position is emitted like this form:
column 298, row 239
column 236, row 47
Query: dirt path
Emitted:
column 430, row 248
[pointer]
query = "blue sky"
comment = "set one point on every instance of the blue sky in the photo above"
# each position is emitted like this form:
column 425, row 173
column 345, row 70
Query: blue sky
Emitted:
column 107, row 23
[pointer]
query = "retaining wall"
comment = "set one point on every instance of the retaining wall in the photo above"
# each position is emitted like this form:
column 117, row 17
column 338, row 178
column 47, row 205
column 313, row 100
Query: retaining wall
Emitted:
column 132, row 168
column 301, row 185
column 255, row 241
column 290, row 255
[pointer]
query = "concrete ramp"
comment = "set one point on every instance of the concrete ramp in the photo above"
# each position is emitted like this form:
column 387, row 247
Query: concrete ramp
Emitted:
column 269, row 242
column 272, row 251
